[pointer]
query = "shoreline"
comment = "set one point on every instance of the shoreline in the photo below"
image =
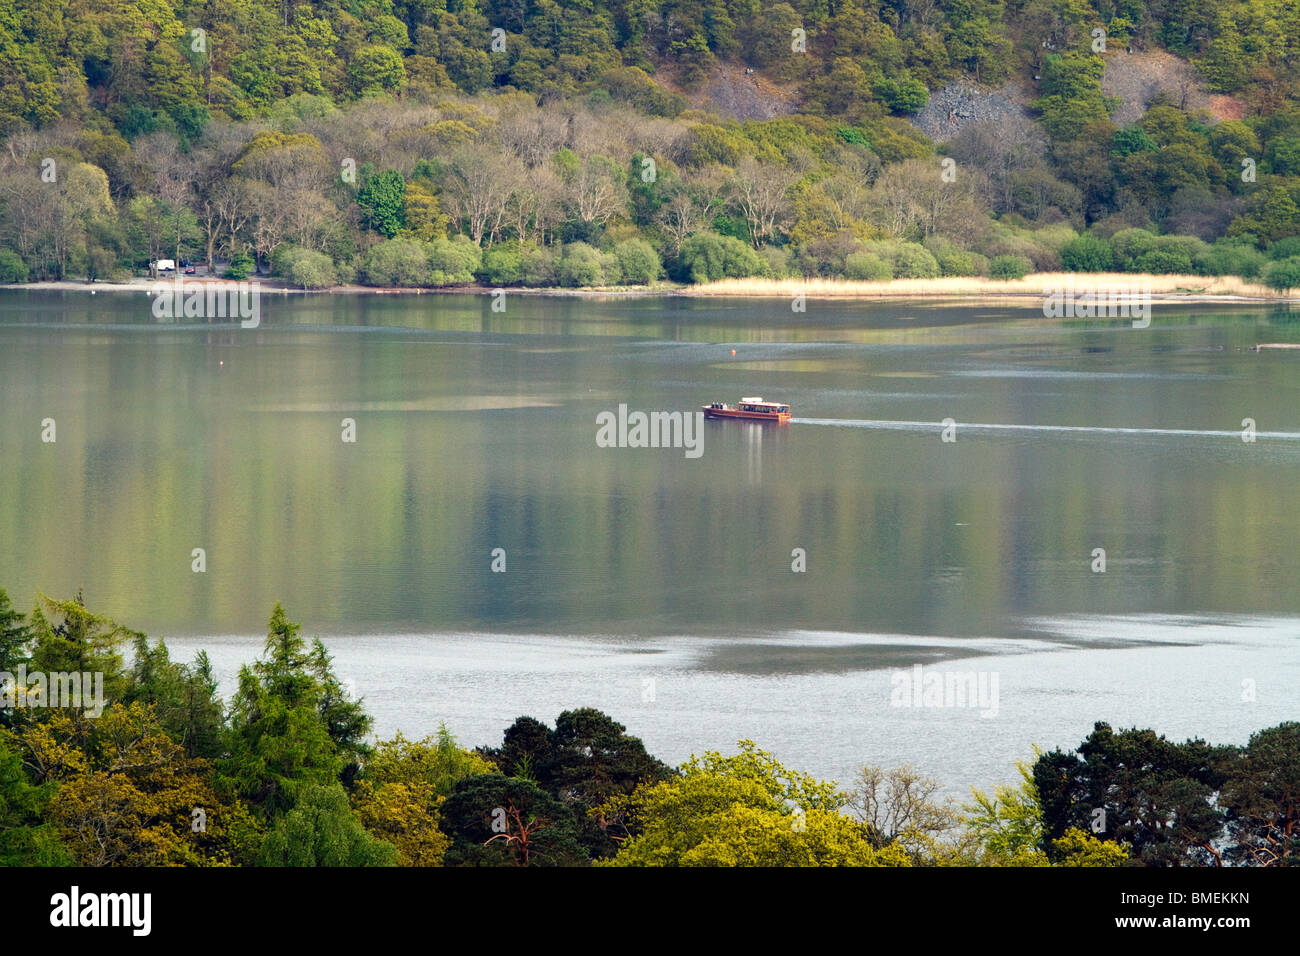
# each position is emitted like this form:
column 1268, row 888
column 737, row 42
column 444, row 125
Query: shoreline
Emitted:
column 1026, row 292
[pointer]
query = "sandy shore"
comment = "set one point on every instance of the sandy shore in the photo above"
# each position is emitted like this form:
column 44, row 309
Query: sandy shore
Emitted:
column 1026, row 292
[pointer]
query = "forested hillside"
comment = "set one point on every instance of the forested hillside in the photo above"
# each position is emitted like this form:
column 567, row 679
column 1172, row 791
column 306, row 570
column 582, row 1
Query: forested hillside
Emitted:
column 534, row 142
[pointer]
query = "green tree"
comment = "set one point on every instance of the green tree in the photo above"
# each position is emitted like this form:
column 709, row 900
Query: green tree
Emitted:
column 867, row 267
column 495, row 820
column 1132, row 139
column 27, row 837
column 1087, row 253
column 903, row 95
column 1140, row 789
column 15, row 635
column 1283, row 275
column 707, row 258
column 320, row 829
column 638, row 262
column 1007, row 826
column 291, row 724
column 585, row 762
column 452, row 261
column 581, row 265
column 346, row 721
column 1271, row 213
column 383, row 203
column 1072, row 96
column 397, row 262
column 184, row 697
column 1225, row 62
column 241, row 266
column 1006, row 829
column 1262, row 794
column 1232, row 257
column 1009, row 267
column 309, row 269
column 68, row 638
column 376, row 68
column 12, row 267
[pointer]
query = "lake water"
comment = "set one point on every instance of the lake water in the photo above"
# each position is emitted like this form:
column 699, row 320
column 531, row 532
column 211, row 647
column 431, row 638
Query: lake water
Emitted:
column 659, row 586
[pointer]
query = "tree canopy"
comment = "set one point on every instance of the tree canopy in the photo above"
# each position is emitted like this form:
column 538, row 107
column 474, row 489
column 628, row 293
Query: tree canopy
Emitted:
column 166, row 773
column 398, row 143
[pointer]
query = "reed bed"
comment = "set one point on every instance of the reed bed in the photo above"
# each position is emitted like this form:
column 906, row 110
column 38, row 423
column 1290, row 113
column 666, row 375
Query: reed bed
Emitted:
column 1034, row 285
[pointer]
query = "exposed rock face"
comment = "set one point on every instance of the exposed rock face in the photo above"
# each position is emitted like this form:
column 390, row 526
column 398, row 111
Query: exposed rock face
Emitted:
column 958, row 105
column 745, row 95
column 1137, row 78
column 734, row 90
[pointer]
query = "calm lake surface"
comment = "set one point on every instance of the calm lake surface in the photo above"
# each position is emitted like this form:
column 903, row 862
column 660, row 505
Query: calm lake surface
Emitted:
column 659, row 587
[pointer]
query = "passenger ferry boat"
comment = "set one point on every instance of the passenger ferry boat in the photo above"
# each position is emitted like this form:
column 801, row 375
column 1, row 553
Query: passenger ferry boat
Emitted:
column 749, row 409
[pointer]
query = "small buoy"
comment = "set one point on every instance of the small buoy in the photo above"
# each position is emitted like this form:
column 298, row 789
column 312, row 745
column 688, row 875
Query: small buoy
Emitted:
column 222, row 362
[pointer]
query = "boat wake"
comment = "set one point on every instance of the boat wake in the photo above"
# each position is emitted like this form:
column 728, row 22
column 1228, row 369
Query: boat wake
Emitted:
column 885, row 425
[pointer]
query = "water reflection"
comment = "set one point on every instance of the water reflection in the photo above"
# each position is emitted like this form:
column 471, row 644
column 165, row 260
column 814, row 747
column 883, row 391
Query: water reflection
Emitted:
column 467, row 440
column 754, row 451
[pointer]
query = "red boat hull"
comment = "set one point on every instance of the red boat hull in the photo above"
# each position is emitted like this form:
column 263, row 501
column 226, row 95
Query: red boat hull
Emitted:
column 778, row 418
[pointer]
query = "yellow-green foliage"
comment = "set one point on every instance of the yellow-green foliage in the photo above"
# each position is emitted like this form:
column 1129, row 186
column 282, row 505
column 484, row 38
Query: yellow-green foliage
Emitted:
column 403, row 784
column 1006, row 829
column 746, row 810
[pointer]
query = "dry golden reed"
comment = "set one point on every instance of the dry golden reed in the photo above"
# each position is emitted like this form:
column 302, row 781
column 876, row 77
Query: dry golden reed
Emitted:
column 1173, row 286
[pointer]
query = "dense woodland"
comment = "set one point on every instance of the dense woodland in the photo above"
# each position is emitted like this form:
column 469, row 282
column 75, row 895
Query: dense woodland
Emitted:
column 287, row 774
column 404, row 142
